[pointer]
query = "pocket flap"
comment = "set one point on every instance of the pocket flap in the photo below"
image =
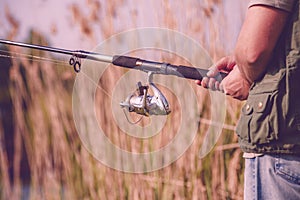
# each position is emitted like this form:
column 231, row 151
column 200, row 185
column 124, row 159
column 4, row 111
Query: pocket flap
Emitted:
column 260, row 103
column 256, row 103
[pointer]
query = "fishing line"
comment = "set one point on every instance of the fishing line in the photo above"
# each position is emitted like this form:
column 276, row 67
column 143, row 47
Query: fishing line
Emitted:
column 112, row 99
column 98, row 86
column 129, row 120
column 17, row 55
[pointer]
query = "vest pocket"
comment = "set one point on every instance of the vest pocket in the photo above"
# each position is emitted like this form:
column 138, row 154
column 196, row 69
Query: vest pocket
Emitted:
column 258, row 122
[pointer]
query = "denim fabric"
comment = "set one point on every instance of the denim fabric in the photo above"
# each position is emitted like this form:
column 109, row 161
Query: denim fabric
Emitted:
column 272, row 177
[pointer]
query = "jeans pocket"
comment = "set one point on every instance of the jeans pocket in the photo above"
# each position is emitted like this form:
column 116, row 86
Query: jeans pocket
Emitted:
column 287, row 167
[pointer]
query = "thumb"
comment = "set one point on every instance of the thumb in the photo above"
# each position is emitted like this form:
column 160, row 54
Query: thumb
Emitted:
column 212, row 71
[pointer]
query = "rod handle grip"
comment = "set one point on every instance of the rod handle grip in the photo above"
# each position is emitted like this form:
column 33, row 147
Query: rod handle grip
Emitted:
column 125, row 61
column 164, row 68
column 196, row 73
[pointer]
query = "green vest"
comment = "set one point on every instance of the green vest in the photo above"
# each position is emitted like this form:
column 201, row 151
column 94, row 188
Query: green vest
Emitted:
column 270, row 119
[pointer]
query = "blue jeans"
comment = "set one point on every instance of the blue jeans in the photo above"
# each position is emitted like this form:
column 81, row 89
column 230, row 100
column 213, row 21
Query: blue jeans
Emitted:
column 272, row 177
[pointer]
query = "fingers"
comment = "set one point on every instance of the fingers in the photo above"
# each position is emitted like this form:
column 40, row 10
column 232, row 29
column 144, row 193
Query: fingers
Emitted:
column 204, row 82
column 198, row 82
column 217, row 86
column 212, row 83
column 213, row 71
column 209, row 83
column 221, row 88
column 225, row 64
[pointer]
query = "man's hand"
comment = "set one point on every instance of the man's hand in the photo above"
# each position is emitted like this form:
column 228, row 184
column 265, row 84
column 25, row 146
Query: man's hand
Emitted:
column 226, row 64
column 234, row 84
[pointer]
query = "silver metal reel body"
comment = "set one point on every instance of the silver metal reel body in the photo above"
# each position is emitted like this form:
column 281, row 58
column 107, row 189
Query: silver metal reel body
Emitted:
column 142, row 103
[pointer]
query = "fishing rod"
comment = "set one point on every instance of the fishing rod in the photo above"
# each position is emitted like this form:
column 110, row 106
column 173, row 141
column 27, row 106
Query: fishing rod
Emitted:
column 140, row 101
column 122, row 61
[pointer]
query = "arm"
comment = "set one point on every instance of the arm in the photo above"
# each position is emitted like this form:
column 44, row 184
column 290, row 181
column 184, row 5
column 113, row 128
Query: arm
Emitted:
column 258, row 37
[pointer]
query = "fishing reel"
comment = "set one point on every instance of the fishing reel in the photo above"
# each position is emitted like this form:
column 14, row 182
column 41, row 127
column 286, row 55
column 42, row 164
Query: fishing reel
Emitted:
column 142, row 103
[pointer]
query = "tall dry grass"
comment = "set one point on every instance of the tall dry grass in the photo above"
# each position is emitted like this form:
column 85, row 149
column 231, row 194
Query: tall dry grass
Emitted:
column 41, row 155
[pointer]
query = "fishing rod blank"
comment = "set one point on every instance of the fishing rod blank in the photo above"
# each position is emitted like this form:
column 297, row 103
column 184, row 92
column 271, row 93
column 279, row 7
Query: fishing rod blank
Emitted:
column 123, row 61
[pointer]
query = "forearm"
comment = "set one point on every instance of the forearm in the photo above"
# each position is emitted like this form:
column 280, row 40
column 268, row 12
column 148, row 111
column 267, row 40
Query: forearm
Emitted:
column 257, row 39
